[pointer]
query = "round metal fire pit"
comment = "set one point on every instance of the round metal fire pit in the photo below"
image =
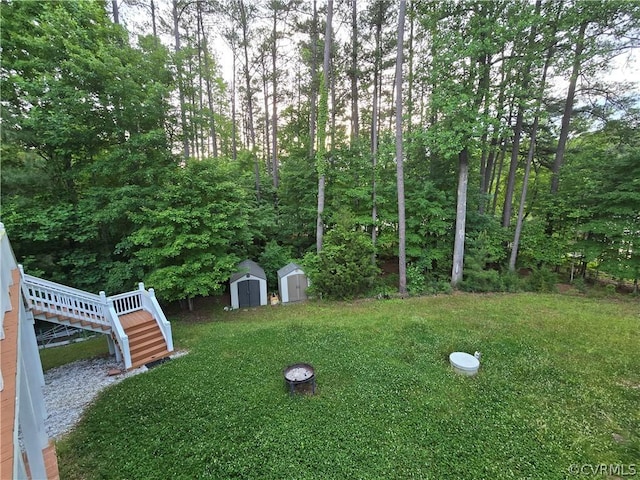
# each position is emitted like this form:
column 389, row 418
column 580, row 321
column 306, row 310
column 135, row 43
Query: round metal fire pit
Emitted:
column 300, row 376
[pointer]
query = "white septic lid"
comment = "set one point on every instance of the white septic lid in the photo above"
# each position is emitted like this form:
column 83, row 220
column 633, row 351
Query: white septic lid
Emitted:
column 464, row 361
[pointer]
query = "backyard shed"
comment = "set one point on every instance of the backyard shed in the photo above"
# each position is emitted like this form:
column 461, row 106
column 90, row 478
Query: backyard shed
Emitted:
column 292, row 283
column 248, row 285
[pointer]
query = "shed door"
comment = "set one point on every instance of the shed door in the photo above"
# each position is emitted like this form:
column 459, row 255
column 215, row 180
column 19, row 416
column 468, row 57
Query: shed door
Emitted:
column 297, row 285
column 249, row 293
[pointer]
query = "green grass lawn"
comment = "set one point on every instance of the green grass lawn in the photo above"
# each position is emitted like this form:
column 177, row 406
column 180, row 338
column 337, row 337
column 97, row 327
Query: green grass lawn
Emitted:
column 559, row 385
column 56, row 356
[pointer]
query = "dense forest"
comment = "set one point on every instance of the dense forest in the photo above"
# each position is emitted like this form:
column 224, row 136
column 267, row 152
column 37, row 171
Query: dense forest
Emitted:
column 459, row 142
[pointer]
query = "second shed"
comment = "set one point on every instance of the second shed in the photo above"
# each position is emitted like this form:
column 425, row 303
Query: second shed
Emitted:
column 292, row 283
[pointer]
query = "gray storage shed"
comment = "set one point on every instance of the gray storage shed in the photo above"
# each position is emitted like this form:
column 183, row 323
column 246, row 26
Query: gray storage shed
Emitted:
column 248, row 285
column 292, row 283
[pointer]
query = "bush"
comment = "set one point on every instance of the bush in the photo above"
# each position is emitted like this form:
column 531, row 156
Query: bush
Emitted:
column 482, row 281
column 343, row 269
column 478, row 274
column 542, row 280
column 580, row 285
column 416, row 280
column 512, row 282
column 439, row 286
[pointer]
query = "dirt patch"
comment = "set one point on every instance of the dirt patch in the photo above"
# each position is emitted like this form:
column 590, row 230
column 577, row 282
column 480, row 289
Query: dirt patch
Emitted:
column 564, row 287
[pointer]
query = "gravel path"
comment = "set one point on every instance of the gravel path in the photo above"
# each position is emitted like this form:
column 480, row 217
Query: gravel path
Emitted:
column 69, row 389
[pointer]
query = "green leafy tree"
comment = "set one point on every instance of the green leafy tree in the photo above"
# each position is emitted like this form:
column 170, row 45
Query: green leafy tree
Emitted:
column 602, row 196
column 190, row 240
column 84, row 138
column 343, row 268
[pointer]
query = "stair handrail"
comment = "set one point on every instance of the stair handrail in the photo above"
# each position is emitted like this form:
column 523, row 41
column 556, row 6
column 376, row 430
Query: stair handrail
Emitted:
column 37, row 281
column 121, row 337
column 150, row 303
column 58, row 299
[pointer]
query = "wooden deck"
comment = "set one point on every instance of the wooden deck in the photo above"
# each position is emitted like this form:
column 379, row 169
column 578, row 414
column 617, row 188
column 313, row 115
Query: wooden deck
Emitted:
column 9, row 362
column 51, row 462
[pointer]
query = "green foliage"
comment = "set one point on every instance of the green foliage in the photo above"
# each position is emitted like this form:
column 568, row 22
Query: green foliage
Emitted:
column 580, row 285
column 416, row 281
column 512, row 282
column 550, row 393
column 273, row 258
column 188, row 239
column 323, row 112
column 343, row 269
column 83, row 142
column 430, row 217
column 542, row 280
column 480, row 269
column 537, row 247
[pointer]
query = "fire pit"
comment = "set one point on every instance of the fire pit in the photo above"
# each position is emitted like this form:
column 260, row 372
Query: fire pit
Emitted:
column 300, row 376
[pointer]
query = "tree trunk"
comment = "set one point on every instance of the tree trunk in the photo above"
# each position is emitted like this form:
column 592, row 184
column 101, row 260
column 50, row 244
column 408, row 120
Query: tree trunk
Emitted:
column 374, row 132
column 523, row 197
column 410, row 101
column 274, row 104
column 183, row 113
column 461, row 215
column 321, row 160
column 517, row 134
column 207, row 67
column 527, row 171
column 314, row 82
column 153, row 20
column 116, row 12
column 497, row 175
column 402, row 254
column 244, row 25
column 355, row 116
column 568, row 109
column 234, row 135
column 513, row 168
column 200, row 130
column 267, row 130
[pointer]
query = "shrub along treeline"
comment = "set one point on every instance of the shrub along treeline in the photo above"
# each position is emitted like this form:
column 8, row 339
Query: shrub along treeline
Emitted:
column 95, row 195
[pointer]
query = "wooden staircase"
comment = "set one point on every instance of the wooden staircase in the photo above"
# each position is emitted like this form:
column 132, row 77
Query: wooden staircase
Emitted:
column 63, row 317
column 133, row 320
column 146, row 342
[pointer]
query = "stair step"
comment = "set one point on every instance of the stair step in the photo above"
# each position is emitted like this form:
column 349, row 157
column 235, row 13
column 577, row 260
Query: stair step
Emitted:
column 141, row 326
column 149, row 351
column 149, row 356
column 151, row 334
column 142, row 346
column 142, row 330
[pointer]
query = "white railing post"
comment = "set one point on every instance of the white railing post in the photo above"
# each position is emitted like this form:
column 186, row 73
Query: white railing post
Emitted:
column 119, row 333
column 164, row 324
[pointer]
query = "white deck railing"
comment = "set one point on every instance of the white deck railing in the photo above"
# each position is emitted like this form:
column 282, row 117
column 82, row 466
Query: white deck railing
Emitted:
column 150, row 304
column 119, row 335
column 127, row 302
column 53, row 298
